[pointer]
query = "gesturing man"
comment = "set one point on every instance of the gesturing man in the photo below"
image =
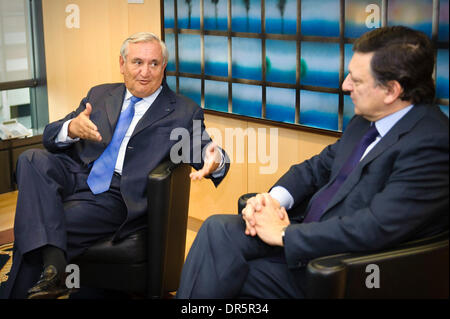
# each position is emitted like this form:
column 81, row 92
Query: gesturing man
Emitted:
column 90, row 182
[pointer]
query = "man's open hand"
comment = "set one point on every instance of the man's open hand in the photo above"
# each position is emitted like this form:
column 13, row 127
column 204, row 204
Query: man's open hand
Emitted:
column 82, row 127
column 213, row 157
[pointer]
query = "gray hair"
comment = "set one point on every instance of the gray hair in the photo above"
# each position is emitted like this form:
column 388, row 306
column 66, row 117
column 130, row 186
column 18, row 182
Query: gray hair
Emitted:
column 144, row 37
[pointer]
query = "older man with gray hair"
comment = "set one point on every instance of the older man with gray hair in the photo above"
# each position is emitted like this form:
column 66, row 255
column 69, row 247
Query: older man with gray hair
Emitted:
column 90, row 181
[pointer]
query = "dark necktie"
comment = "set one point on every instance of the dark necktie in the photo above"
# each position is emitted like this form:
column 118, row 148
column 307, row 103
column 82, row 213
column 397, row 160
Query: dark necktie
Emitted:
column 99, row 178
column 319, row 203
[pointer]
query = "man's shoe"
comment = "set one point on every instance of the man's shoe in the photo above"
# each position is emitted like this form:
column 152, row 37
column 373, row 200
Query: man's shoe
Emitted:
column 51, row 285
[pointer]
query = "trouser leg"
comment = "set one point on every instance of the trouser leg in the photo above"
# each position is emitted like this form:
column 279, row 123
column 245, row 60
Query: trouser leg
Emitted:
column 42, row 180
column 21, row 274
column 217, row 264
column 55, row 207
column 268, row 278
column 90, row 217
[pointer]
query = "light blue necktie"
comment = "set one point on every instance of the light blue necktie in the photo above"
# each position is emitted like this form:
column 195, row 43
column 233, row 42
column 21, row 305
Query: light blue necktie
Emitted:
column 99, row 178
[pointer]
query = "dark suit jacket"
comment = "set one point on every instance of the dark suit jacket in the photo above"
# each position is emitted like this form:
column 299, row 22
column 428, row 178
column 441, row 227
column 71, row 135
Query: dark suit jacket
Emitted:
column 398, row 192
column 149, row 144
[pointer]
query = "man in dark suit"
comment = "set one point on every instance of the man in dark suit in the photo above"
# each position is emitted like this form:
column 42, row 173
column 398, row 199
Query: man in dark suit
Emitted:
column 90, row 182
column 385, row 181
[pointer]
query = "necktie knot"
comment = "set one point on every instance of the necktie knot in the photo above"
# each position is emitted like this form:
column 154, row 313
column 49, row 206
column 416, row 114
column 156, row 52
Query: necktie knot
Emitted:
column 371, row 134
column 134, row 100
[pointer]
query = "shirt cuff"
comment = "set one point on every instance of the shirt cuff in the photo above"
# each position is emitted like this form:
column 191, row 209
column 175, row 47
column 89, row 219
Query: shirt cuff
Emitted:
column 220, row 171
column 63, row 137
column 282, row 195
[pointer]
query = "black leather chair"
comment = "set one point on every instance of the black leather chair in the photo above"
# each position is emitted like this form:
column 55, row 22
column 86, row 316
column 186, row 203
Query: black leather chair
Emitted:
column 148, row 262
column 416, row 269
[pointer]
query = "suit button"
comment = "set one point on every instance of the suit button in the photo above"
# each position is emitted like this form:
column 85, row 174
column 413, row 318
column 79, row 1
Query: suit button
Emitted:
column 130, row 147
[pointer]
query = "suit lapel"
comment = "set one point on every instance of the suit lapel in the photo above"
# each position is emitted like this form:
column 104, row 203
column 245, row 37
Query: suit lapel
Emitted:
column 161, row 107
column 392, row 137
column 113, row 106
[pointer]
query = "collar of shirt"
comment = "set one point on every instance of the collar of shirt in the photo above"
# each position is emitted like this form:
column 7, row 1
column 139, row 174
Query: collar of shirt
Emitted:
column 386, row 123
column 146, row 101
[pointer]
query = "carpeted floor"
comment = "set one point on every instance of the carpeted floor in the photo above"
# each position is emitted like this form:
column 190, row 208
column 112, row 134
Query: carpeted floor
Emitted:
column 6, row 246
column 5, row 261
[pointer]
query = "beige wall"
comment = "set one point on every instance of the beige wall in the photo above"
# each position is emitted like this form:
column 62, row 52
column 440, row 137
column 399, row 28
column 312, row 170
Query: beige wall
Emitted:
column 78, row 58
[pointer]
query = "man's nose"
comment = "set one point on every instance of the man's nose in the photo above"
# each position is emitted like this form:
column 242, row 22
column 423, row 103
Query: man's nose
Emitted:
column 145, row 70
column 346, row 85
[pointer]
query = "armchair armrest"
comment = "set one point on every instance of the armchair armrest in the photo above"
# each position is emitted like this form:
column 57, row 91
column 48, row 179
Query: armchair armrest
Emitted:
column 242, row 201
column 168, row 202
column 416, row 269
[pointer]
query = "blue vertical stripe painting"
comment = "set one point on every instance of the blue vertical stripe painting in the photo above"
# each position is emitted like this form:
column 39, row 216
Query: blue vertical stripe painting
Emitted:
column 188, row 14
column 281, row 61
column 348, row 54
column 247, row 99
column 246, row 16
column 280, row 104
column 189, row 53
column 442, row 74
column 216, row 95
column 169, row 14
column 246, row 57
column 170, row 44
column 281, row 16
column 322, row 64
column 320, row 18
column 172, row 82
column 349, row 111
column 216, row 57
column 215, row 15
column 191, row 88
column 221, row 54
column 319, row 110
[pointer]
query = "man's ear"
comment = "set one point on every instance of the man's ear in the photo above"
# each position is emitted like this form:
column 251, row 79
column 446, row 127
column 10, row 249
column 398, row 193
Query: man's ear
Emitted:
column 393, row 91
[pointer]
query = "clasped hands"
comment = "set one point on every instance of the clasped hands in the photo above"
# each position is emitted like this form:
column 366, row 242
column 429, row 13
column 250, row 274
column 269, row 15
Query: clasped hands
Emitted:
column 265, row 218
column 82, row 127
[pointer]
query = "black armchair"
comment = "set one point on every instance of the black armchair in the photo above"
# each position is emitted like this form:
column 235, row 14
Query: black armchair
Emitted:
column 149, row 261
column 416, row 269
